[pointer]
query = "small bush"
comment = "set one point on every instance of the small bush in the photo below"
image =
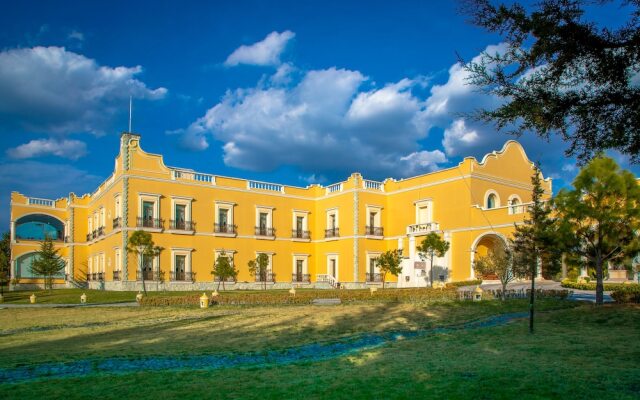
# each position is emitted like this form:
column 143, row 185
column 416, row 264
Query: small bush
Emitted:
column 627, row 294
column 592, row 285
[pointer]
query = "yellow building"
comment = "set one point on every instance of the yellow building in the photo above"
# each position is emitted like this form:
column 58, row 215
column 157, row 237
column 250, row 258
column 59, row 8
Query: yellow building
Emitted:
column 315, row 236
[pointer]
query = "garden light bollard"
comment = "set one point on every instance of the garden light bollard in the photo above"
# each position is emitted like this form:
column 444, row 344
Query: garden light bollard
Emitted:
column 373, row 290
column 139, row 297
column 32, row 298
column 214, row 294
column 83, row 298
column 292, row 292
column 204, row 301
column 477, row 294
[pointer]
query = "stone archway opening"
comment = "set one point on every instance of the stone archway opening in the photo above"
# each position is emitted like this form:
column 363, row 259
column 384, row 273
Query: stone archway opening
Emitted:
column 485, row 244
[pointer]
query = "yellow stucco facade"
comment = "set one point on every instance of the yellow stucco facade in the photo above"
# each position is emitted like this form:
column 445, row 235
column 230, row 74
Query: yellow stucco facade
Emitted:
column 315, row 236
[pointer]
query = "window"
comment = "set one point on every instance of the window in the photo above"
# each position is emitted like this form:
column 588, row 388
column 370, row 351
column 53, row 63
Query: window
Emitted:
column 332, row 230
column 118, row 209
column 373, row 272
column 332, row 266
column 300, row 273
column 23, row 267
column 300, row 229
column 514, row 205
column 180, row 211
column 224, row 218
column 264, row 222
column 181, row 264
column 374, row 223
column 181, row 215
column 491, row 201
column 38, row 227
column 149, row 211
column 179, row 267
column 424, row 211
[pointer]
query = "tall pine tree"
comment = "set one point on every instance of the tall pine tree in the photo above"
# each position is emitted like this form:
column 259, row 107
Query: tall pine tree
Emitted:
column 534, row 243
column 47, row 262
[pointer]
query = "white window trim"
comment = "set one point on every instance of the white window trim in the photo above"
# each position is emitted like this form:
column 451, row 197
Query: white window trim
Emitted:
column 337, row 258
column 181, row 252
column 486, row 199
column 183, row 201
column 510, row 206
column 372, row 255
column 421, row 204
column 224, row 205
column 332, row 211
column 305, row 262
column 154, row 198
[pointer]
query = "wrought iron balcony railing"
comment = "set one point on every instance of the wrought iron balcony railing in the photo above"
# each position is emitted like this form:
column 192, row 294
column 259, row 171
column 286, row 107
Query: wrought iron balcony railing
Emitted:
column 304, row 278
column 183, row 276
column 154, row 223
column 265, row 231
column 182, row 225
column 116, row 275
column 374, row 230
column 117, row 222
column 266, row 277
column 100, row 231
column 147, row 275
column 333, row 232
column 375, row 277
column 225, row 228
column 298, row 234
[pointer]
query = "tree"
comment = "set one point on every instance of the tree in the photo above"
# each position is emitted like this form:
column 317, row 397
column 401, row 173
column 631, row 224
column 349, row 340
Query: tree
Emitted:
column 260, row 268
column 562, row 74
column 535, row 242
column 432, row 246
column 223, row 268
column 602, row 214
column 141, row 244
column 500, row 262
column 47, row 262
column 5, row 261
column 389, row 262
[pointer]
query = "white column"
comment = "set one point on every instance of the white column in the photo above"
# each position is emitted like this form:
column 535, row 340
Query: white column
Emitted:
column 400, row 245
column 13, row 231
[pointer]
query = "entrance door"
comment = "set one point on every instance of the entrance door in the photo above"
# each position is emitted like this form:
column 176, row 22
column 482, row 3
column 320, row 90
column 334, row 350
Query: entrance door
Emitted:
column 332, row 268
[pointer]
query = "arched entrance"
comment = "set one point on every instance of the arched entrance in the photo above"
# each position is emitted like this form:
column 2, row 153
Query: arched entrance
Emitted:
column 483, row 245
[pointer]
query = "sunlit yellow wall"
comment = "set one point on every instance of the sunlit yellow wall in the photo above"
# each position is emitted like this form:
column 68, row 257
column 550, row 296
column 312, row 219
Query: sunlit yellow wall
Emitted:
column 457, row 195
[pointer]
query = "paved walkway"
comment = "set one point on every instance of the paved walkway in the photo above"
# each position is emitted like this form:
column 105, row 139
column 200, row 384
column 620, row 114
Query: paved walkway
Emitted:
column 577, row 295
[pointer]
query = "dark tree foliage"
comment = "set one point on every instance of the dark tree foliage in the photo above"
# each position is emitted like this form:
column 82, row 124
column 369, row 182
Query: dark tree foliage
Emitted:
column 561, row 74
column 5, row 260
column 47, row 263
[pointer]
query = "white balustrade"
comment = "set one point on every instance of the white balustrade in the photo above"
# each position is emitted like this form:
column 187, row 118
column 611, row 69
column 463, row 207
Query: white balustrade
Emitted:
column 34, row 201
column 373, row 185
column 423, row 228
column 265, row 186
column 336, row 187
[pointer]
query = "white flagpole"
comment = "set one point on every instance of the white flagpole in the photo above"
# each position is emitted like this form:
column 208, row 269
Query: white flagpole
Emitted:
column 130, row 110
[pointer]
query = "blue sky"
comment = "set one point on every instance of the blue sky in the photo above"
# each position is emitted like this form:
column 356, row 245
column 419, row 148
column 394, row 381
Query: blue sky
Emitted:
column 292, row 92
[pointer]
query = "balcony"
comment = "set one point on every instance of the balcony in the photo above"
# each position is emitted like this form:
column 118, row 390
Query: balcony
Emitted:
column 183, row 276
column 373, row 278
column 300, row 278
column 374, row 231
column 187, row 226
column 420, row 229
column 116, row 276
column 265, row 231
column 151, row 223
column 266, row 277
column 299, row 234
column 96, row 277
column 100, row 231
column 117, row 223
column 147, row 275
column 230, row 279
column 227, row 229
column 332, row 233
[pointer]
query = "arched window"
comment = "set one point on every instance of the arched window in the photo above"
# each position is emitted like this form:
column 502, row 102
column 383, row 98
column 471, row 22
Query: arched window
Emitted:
column 514, row 206
column 23, row 267
column 39, row 226
column 491, row 201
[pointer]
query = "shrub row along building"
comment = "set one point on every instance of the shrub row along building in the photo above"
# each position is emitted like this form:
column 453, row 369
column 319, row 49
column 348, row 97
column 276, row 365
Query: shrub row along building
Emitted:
column 315, row 236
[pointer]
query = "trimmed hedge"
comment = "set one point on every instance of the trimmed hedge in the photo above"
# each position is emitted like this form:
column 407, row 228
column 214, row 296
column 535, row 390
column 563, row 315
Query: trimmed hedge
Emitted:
column 458, row 284
column 307, row 296
column 592, row 285
column 627, row 294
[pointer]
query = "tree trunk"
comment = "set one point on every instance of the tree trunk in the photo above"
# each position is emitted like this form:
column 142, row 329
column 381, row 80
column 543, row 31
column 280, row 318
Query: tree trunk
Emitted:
column 504, row 290
column 532, row 297
column 599, row 283
column 431, row 272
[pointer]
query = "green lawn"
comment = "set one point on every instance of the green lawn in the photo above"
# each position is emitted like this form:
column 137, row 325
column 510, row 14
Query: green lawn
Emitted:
column 577, row 352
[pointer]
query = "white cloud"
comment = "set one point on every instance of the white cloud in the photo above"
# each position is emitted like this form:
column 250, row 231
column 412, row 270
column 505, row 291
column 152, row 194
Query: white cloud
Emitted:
column 420, row 161
column 264, row 52
column 71, row 149
column 458, row 136
column 53, row 90
column 323, row 124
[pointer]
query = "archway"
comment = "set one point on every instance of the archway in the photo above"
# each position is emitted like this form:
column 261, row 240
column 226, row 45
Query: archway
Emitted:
column 39, row 226
column 483, row 245
column 23, row 267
